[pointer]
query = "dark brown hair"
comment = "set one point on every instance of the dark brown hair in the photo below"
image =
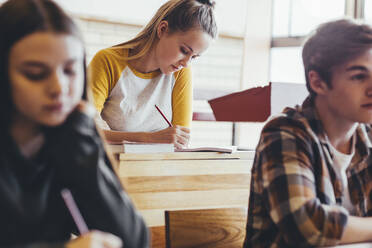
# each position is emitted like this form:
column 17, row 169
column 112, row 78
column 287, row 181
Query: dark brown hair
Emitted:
column 19, row 18
column 333, row 44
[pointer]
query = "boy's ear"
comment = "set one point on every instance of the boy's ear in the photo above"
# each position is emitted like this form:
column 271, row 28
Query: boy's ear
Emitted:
column 317, row 84
column 162, row 28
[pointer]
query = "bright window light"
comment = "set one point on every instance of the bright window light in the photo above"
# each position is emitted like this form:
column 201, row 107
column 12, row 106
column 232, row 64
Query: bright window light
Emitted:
column 286, row 65
column 299, row 17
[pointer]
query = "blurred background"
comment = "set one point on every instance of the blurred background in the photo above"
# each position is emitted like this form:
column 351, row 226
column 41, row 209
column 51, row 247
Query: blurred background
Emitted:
column 259, row 42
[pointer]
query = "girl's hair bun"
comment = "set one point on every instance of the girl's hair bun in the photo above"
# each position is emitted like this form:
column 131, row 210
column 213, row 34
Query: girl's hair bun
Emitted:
column 210, row 3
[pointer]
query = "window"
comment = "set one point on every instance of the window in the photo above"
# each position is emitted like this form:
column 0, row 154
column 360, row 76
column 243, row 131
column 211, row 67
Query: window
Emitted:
column 286, row 65
column 299, row 17
column 292, row 20
column 368, row 11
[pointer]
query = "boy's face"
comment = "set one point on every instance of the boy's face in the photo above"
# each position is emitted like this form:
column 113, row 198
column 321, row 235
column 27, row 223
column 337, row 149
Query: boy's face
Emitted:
column 350, row 98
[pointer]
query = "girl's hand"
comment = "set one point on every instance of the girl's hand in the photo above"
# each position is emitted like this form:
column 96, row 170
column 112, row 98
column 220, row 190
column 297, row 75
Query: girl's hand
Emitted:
column 95, row 239
column 178, row 135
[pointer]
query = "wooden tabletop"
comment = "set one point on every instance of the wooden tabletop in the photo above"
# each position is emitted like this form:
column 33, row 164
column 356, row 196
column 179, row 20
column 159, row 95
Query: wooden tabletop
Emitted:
column 360, row 245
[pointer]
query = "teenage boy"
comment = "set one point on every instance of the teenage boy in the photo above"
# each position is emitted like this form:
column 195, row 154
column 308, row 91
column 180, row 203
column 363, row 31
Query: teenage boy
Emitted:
column 312, row 174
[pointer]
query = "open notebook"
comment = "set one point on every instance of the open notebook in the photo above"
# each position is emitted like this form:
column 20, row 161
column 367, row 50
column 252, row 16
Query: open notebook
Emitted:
column 136, row 147
column 225, row 149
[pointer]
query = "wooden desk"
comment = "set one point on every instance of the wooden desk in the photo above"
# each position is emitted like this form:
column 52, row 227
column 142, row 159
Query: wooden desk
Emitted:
column 159, row 182
column 360, row 245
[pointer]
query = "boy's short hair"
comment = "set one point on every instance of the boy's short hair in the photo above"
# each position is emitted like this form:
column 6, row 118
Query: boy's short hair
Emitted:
column 332, row 44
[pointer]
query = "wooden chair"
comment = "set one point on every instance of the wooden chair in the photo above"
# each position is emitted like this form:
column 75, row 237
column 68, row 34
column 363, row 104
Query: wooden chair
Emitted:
column 206, row 228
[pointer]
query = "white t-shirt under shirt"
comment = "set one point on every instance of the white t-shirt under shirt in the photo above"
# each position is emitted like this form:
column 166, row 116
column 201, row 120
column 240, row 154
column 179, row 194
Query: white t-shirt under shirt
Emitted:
column 341, row 162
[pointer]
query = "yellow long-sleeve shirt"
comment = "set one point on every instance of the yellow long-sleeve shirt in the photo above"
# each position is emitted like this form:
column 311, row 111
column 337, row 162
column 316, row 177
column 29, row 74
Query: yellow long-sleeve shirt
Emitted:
column 126, row 98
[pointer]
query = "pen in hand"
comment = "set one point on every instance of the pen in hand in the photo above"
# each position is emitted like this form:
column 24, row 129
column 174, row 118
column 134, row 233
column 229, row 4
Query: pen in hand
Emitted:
column 74, row 211
column 165, row 118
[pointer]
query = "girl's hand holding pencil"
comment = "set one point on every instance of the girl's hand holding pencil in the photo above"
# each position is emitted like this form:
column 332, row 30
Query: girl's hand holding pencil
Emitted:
column 88, row 239
column 177, row 135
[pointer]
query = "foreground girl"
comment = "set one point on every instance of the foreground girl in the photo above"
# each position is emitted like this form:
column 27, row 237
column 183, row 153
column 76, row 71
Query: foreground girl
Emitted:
column 48, row 140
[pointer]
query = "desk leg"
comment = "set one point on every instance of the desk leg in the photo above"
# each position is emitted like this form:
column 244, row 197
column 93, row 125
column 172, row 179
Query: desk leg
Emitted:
column 157, row 236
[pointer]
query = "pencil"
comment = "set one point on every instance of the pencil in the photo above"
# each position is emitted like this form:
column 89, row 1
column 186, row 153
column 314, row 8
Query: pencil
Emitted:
column 74, row 211
column 165, row 118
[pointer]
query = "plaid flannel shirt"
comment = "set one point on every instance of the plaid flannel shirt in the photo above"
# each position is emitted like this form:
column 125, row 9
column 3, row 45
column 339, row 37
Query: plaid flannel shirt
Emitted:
column 296, row 196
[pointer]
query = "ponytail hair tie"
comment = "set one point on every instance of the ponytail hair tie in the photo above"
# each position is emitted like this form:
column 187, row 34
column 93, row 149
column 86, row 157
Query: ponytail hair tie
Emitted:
column 210, row 3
